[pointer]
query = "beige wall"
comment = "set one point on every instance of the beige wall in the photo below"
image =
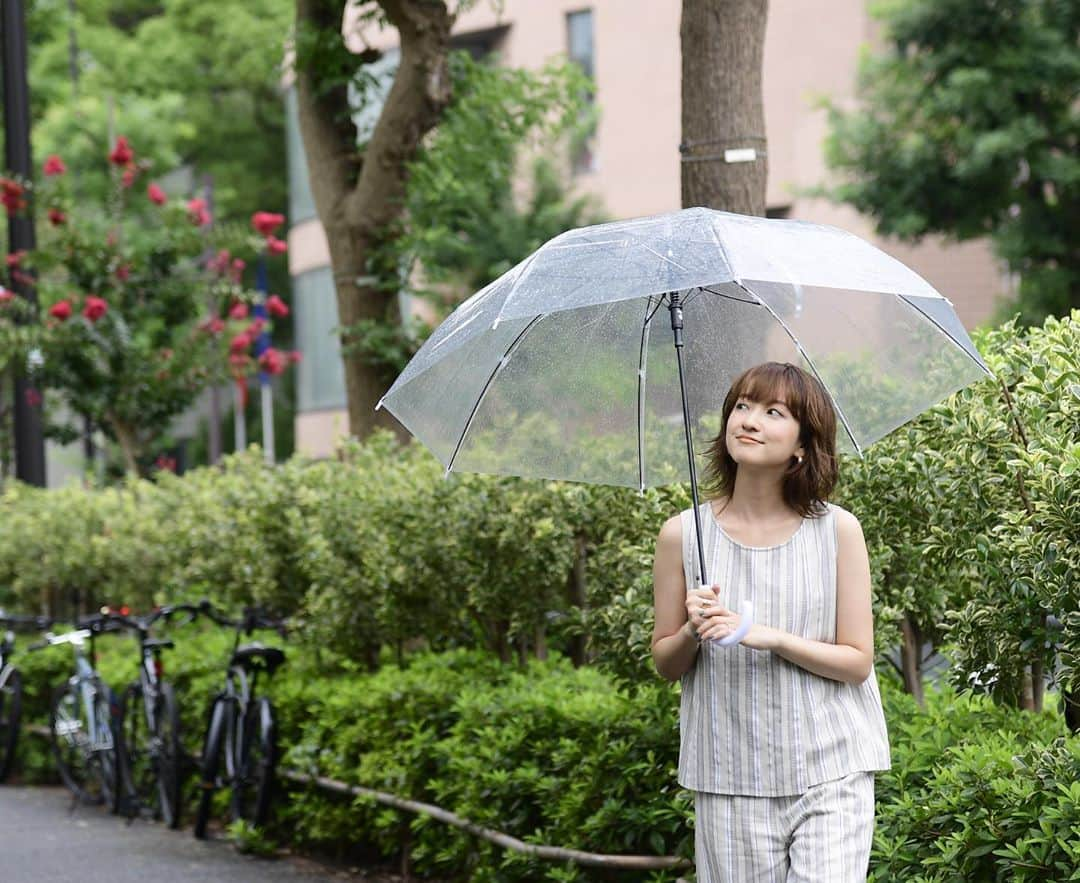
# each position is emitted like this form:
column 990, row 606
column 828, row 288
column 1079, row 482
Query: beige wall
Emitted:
column 811, row 49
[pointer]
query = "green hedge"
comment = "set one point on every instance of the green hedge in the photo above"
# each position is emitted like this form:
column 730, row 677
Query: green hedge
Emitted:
column 568, row 757
column 970, row 515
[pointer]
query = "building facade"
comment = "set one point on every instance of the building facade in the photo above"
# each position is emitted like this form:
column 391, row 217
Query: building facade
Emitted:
column 631, row 49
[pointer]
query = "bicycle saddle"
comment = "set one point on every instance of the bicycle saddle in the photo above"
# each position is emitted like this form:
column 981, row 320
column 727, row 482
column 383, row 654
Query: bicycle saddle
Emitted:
column 256, row 657
column 158, row 643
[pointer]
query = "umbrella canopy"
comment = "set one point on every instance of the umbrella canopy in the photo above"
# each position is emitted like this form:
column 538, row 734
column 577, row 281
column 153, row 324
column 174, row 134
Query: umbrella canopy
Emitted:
column 564, row 368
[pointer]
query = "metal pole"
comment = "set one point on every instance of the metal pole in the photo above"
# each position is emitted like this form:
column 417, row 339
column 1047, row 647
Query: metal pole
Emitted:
column 29, row 441
column 266, row 391
column 214, row 429
column 677, row 328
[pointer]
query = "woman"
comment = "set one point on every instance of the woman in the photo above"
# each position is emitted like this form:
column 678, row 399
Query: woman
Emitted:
column 780, row 733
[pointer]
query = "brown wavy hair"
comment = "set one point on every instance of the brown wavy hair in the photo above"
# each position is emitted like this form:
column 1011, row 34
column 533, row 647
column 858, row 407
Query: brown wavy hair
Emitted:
column 806, row 485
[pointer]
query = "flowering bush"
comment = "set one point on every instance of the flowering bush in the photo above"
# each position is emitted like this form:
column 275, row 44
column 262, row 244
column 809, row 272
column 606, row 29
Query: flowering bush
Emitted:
column 143, row 302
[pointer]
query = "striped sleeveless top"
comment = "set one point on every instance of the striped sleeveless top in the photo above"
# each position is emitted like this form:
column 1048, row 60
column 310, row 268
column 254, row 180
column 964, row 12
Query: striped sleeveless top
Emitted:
column 750, row 721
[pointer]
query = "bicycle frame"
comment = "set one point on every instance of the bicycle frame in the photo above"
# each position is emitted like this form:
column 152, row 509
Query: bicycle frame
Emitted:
column 238, row 689
column 6, row 668
column 100, row 736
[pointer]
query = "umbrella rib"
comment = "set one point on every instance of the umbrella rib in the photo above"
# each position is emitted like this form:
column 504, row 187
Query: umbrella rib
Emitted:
column 940, row 328
column 813, row 367
column 480, row 398
column 755, row 302
column 659, row 303
column 642, row 358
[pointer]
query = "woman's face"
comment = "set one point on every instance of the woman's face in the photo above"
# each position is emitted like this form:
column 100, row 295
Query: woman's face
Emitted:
column 762, row 433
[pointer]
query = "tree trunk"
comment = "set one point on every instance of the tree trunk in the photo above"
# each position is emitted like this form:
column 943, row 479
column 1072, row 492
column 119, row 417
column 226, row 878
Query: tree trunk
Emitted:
column 1038, row 686
column 540, row 638
column 723, row 43
column 575, row 590
column 1027, row 696
column 911, row 658
column 129, row 445
column 360, row 198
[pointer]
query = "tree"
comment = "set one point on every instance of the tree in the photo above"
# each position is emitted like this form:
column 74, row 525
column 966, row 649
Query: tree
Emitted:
column 192, row 82
column 969, row 126
column 139, row 320
column 723, row 43
column 359, row 190
column 432, row 188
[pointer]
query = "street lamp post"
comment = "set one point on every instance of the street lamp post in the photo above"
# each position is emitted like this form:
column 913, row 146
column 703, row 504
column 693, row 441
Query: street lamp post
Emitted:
column 29, row 442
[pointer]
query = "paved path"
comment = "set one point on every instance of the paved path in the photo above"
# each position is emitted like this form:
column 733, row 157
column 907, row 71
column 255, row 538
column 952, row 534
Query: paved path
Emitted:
column 42, row 840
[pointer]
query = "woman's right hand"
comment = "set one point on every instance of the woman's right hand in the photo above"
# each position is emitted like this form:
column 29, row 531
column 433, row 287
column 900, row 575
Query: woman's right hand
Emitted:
column 697, row 602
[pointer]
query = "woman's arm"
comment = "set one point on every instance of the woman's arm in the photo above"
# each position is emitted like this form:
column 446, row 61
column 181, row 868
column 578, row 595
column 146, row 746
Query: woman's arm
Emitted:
column 674, row 645
column 851, row 658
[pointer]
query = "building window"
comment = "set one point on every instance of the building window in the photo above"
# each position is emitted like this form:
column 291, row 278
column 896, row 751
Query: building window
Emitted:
column 579, row 38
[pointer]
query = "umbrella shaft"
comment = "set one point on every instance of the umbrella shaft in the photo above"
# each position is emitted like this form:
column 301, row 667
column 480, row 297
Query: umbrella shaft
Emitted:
column 677, row 329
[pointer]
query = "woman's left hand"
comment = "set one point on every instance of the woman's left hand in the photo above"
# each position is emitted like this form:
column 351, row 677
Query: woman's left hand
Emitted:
column 721, row 622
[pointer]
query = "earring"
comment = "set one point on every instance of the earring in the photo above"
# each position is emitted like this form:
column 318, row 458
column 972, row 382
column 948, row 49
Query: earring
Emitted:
column 799, row 459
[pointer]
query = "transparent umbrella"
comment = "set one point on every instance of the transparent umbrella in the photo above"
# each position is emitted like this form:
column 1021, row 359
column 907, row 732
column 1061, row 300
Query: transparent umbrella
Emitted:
column 599, row 356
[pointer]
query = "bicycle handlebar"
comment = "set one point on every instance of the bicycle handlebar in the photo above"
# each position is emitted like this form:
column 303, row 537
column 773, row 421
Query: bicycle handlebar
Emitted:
column 27, row 623
column 253, row 618
column 76, row 637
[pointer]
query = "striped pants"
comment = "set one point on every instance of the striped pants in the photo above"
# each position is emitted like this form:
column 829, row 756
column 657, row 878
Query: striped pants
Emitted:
column 822, row 836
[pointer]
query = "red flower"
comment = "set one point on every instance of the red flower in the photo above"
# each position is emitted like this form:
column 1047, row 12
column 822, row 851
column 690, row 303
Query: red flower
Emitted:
column 266, row 222
column 33, row 397
column 295, row 357
column 155, row 194
column 276, row 307
column 122, row 154
column 11, row 195
column 123, row 272
column 215, row 326
column 220, row 262
column 239, row 343
column 255, row 328
column 56, row 217
column 95, row 308
column 272, row 361
column 166, row 463
column 15, row 258
column 60, row 310
column 237, row 269
column 238, row 311
column 128, row 177
column 200, row 217
column 54, row 166
column 276, row 246
column 6, row 296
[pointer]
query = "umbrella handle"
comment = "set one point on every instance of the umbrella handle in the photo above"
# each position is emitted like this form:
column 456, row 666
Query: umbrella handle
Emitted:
column 745, row 624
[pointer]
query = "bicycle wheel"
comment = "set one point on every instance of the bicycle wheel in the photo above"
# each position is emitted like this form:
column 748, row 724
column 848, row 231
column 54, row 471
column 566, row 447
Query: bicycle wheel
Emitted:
column 168, row 756
column 253, row 785
column 10, row 713
column 211, row 763
column 85, row 754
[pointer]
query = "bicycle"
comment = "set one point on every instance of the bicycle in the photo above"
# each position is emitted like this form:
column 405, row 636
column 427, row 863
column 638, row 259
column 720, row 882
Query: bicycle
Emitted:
column 11, row 687
column 83, row 719
column 240, row 751
column 149, row 751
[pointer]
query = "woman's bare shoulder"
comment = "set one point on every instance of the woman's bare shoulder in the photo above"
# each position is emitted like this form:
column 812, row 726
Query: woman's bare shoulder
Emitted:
column 671, row 531
column 847, row 524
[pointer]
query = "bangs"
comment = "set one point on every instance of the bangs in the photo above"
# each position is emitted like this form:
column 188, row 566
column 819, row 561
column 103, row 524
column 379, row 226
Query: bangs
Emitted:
column 774, row 382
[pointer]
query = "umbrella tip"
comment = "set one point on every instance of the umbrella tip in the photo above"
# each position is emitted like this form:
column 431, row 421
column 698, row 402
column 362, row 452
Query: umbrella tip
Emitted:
column 379, row 405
